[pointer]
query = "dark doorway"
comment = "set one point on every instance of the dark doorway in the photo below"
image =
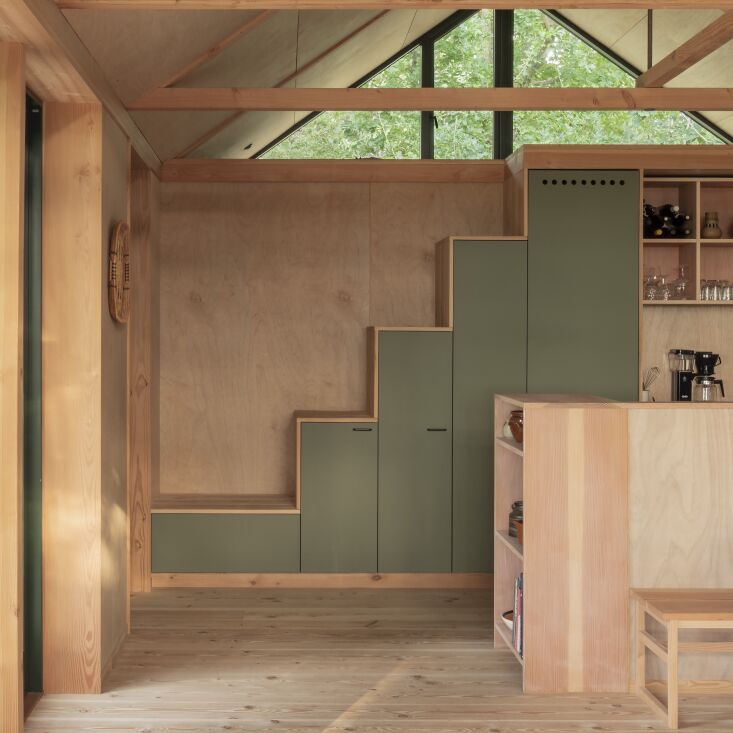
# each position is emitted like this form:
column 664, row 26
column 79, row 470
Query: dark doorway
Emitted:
column 33, row 618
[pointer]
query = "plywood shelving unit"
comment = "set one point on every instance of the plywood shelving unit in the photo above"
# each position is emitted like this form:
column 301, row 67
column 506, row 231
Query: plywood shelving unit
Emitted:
column 571, row 473
column 705, row 259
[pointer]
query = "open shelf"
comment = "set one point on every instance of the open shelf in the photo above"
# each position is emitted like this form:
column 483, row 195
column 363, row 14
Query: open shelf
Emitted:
column 224, row 504
column 511, row 543
column 510, row 445
column 503, row 634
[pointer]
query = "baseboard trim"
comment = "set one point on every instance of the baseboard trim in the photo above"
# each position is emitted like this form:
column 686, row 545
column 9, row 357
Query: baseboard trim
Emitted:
column 324, row 580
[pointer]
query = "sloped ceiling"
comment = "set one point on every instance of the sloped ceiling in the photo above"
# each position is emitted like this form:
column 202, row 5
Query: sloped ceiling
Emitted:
column 139, row 50
column 625, row 33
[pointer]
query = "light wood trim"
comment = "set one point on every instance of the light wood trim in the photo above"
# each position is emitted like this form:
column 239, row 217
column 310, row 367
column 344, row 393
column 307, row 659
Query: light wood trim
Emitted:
column 444, row 283
column 225, row 504
column 656, row 705
column 201, row 170
column 706, row 647
column 491, row 98
column 72, row 298
column 52, row 34
column 290, row 77
column 391, row 4
column 653, row 645
column 702, row 44
column 216, row 49
column 323, row 580
column 140, row 373
column 673, row 693
column 12, row 152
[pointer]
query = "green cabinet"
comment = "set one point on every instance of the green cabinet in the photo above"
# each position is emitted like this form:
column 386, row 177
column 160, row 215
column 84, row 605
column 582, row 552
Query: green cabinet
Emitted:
column 489, row 356
column 338, row 484
column 583, row 282
column 415, row 445
column 226, row 543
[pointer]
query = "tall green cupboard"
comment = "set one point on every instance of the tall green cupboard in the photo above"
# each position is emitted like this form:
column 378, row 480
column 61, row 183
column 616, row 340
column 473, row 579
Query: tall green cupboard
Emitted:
column 415, row 445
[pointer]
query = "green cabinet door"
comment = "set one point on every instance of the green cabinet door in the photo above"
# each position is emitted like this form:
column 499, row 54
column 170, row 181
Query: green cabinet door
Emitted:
column 415, row 374
column 489, row 357
column 338, row 485
column 226, row 543
column 583, row 284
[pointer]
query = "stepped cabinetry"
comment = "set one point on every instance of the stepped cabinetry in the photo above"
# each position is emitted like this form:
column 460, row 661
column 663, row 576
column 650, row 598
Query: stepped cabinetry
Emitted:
column 415, row 493
column 571, row 472
column 489, row 284
column 338, row 485
column 583, row 282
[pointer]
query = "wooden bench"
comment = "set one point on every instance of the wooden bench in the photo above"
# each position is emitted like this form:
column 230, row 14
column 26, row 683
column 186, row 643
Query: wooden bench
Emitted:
column 677, row 609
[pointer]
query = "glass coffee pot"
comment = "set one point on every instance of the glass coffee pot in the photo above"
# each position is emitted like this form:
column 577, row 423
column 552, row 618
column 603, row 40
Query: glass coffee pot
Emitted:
column 707, row 388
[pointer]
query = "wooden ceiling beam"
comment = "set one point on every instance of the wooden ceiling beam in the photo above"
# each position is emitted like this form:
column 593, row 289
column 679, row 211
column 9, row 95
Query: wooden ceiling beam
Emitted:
column 702, row 44
column 394, row 4
column 442, row 99
column 333, row 171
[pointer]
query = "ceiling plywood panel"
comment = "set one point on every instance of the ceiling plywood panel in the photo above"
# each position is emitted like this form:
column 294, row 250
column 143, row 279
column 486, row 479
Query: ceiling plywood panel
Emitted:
column 255, row 128
column 716, row 70
column 171, row 132
column 137, row 50
column 262, row 58
column 424, row 21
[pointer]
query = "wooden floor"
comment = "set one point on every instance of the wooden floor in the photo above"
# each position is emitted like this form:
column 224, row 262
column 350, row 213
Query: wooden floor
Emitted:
column 370, row 661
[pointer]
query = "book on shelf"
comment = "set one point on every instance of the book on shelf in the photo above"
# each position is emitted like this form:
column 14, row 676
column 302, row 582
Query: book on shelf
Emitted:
column 517, row 626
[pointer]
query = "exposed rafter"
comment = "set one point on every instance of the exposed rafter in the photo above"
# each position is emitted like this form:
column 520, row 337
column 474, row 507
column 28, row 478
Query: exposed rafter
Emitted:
column 444, row 99
column 290, row 77
column 702, row 44
column 395, row 4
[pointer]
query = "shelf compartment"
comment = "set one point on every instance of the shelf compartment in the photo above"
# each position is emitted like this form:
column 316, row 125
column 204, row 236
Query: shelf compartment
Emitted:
column 716, row 260
column 511, row 543
column 718, row 196
column 511, row 445
column 677, row 191
column 667, row 255
column 503, row 633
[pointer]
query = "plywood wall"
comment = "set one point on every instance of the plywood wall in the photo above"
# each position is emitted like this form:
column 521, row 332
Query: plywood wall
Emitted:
column 115, row 185
column 681, row 509
column 266, row 292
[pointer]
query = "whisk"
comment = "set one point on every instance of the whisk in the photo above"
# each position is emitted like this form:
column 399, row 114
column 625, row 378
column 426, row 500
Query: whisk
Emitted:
column 649, row 377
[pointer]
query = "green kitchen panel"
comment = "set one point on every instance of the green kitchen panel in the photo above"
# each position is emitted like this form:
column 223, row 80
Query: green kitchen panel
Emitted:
column 226, row 543
column 338, row 484
column 415, row 445
column 583, row 282
column 489, row 357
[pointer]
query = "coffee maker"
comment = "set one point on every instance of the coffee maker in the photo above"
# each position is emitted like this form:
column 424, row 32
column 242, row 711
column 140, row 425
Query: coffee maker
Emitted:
column 706, row 388
column 682, row 365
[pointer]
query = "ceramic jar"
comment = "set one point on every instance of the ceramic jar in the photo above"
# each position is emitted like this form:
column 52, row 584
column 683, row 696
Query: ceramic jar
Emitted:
column 711, row 228
column 516, row 425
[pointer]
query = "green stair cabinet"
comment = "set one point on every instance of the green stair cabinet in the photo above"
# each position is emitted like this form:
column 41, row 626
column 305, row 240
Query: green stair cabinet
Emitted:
column 415, row 378
column 338, row 485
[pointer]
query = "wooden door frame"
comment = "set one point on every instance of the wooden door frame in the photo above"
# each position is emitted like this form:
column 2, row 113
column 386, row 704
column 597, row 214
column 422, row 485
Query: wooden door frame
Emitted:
column 12, row 172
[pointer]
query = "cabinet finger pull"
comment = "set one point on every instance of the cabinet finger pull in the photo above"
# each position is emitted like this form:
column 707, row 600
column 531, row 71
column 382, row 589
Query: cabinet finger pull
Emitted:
column 362, row 430
column 437, row 430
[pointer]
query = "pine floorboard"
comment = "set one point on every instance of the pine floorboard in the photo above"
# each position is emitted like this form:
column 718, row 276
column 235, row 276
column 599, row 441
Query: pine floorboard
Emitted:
column 331, row 661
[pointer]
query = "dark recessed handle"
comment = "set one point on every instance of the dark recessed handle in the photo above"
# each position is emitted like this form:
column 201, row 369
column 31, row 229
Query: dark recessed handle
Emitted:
column 437, row 430
column 362, row 430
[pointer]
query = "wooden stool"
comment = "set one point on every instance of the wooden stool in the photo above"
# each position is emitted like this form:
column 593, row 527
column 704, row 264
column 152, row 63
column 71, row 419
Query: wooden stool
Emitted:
column 675, row 609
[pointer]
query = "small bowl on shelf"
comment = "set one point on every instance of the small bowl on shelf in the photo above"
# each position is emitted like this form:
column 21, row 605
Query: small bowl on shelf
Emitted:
column 508, row 618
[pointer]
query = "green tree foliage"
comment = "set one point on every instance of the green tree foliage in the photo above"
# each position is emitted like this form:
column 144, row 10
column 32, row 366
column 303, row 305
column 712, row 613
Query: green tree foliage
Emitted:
column 545, row 55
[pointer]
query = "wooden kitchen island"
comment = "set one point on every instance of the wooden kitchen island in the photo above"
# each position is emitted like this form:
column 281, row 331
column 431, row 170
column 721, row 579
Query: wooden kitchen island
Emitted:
column 617, row 495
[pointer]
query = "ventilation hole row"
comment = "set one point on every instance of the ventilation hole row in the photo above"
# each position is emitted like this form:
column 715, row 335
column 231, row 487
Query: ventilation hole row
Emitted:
column 583, row 182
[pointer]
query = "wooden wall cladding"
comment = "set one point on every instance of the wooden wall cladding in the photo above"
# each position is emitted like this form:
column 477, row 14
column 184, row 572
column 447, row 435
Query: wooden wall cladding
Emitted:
column 266, row 291
column 73, row 296
column 12, row 146
column 681, row 509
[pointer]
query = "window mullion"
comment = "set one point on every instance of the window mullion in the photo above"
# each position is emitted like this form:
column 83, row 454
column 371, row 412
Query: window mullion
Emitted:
column 427, row 119
column 503, row 77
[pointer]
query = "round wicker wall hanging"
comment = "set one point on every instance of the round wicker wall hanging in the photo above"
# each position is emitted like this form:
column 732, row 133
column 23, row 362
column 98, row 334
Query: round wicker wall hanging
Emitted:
column 118, row 276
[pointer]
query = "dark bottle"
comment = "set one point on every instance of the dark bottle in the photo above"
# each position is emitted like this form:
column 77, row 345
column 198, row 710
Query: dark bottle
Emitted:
column 669, row 211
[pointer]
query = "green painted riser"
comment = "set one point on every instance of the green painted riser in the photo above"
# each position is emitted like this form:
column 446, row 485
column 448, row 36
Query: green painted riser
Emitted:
column 583, row 282
column 415, row 445
column 489, row 357
column 338, row 484
column 226, row 543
